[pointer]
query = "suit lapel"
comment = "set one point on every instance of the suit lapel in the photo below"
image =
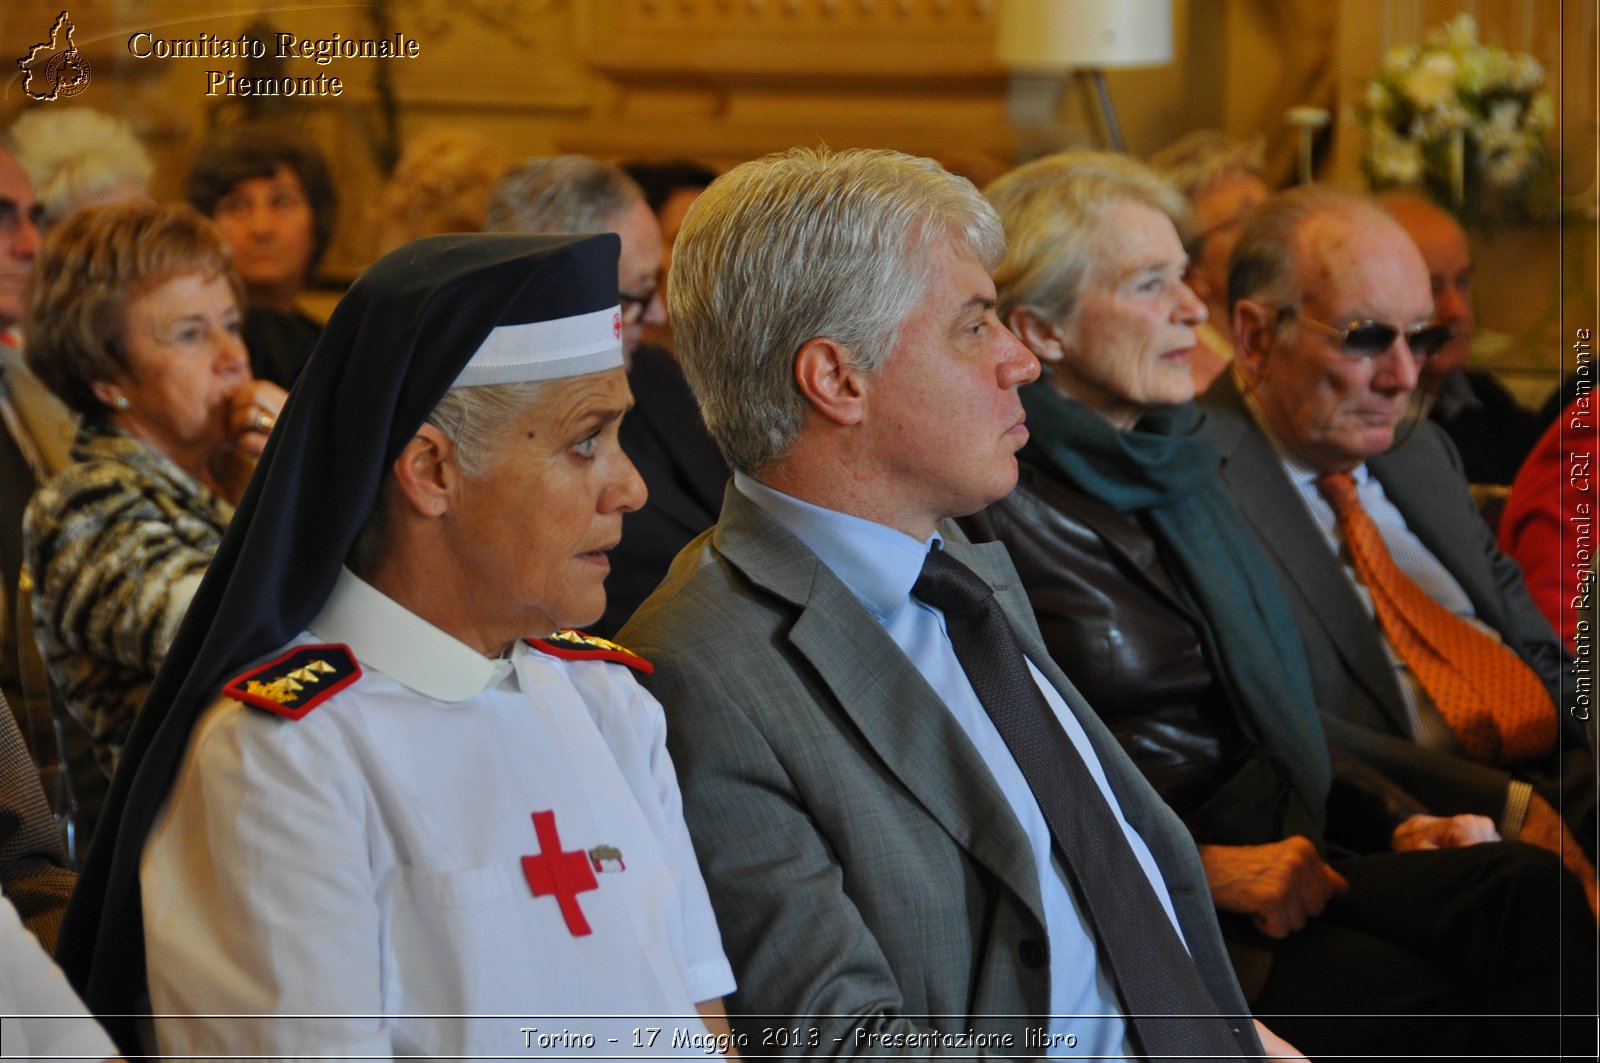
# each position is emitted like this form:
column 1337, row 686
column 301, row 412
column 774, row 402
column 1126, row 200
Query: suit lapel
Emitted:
column 1269, row 502
column 904, row 721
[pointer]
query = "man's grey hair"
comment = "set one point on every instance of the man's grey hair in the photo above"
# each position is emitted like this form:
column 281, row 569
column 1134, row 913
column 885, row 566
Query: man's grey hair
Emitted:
column 1266, row 260
column 478, row 422
column 1053, row 210
column 560, row 194
column 804, row 244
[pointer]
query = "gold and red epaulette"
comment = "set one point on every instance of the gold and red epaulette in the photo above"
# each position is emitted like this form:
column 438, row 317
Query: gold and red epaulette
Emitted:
column 298, row 681
column 576, row 646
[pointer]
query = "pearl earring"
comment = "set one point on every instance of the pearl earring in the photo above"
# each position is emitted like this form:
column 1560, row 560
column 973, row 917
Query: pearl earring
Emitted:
column 120, row 402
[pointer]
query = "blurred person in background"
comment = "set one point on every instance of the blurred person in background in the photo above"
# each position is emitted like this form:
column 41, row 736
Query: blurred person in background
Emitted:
column 270, row 193
column 1550, row 512
column 440, row 185
column 1222, row 179
column 36, row 434
column 78, row 157
column 670, row 189
column 1491, row 430
column 134, row 321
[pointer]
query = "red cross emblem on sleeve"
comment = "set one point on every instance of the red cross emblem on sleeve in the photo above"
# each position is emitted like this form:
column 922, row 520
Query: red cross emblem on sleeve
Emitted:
column 562, row 875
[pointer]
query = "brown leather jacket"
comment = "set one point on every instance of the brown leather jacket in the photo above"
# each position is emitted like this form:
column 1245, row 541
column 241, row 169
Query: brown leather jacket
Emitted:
column 1126, row 634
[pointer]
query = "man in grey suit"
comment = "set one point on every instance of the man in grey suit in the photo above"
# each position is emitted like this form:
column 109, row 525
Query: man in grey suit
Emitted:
column 884, row 866
column 1325, row 289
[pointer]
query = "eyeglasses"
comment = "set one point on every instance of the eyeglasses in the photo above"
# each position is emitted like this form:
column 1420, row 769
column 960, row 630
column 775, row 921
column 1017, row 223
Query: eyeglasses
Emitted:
column 1368, row 339
column 634, row 306
column 12, row 216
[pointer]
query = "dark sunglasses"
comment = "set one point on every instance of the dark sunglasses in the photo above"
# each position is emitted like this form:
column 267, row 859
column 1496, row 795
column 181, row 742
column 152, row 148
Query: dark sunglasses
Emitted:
column 1368, row 339
column 12, row 216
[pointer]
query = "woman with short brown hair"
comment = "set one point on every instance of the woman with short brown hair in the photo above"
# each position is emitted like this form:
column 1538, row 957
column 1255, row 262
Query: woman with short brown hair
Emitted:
column 133, row 322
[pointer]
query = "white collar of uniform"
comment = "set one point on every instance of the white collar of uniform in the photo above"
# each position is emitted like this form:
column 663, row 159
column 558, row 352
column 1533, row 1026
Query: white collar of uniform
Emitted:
column 385, row 635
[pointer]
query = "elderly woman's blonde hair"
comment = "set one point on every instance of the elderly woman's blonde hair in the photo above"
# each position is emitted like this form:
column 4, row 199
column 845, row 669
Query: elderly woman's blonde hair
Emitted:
column 90, row 267
column 76, row 156
column 1052, row 209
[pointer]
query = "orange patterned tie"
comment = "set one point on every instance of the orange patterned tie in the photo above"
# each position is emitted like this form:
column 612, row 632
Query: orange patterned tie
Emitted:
column 1495, row 704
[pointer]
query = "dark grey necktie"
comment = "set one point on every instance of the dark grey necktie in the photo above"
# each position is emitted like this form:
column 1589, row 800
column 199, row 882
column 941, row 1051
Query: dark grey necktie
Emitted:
column 1169, row 1010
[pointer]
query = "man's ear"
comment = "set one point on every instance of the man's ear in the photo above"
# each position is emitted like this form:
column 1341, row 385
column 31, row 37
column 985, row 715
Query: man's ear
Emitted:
column 426, row 473
column 1042, row 337
column 1255, row 329
column 834, row 387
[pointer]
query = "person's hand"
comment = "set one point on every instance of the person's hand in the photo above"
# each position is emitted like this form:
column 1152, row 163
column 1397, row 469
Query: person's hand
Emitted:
column 1443, row 832
column 1279, row 885
column 1277, row 1047
column 253, row 409
column 1544, row 827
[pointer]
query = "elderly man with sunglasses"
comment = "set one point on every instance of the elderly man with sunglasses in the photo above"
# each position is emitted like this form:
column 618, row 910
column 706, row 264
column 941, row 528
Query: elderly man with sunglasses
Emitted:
column 1429, row 659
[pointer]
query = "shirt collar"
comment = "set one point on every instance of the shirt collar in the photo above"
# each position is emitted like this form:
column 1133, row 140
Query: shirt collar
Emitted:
column 385, row 635
column 878, row 563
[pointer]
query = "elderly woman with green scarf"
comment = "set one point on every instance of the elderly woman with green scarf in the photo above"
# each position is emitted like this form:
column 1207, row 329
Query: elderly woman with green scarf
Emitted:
column 1342, row 899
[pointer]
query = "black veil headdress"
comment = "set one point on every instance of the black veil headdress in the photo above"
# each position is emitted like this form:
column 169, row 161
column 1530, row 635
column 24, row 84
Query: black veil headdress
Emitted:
column 395, row 344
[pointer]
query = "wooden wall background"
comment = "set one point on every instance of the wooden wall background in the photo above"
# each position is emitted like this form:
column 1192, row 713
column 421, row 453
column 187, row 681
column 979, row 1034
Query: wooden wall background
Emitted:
column 724, row 80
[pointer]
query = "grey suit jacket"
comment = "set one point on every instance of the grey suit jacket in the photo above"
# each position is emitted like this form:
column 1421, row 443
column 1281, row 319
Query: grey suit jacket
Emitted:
column 865, row 867
column 1358, row 693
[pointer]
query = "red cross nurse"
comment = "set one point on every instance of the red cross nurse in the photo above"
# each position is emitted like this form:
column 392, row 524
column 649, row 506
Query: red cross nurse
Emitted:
column 383, row 803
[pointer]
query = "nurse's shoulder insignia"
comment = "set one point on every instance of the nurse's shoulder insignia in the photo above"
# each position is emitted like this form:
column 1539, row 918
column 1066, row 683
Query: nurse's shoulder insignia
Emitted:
column 576, row 646
column 296, row 682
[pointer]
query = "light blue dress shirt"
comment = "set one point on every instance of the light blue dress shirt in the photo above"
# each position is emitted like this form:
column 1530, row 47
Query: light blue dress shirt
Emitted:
column 879, row 565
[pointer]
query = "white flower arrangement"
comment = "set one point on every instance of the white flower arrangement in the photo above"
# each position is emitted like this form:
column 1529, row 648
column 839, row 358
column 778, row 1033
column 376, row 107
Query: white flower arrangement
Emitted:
column 1465, row 122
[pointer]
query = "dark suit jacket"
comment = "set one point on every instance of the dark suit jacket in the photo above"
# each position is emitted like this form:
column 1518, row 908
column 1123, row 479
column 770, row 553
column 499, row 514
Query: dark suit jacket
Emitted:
column 667, row 441
column 1493, row 433
column 861, row 858
column 279, row 343
column 1359, row 694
